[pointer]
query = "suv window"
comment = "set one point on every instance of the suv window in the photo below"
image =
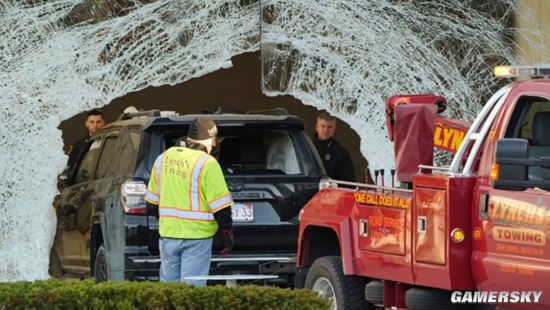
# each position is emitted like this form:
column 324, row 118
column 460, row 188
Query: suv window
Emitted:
column 249, row 151
column 107, row 155
column 269, row 150
column 119, row 151
column 124, row 160
column 280, row 152
column 87, row 165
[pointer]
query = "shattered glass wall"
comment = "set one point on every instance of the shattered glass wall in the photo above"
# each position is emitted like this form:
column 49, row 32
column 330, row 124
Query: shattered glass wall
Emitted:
column 348, row 56
column 61, row 57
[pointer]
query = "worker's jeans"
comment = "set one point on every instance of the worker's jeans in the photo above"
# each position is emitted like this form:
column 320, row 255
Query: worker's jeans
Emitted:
column 182, row 258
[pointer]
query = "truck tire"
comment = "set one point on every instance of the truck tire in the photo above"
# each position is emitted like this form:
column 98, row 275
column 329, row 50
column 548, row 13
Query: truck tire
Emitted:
column 326, row 277
column 374, row 292
column 431, row 299
column 101, row 269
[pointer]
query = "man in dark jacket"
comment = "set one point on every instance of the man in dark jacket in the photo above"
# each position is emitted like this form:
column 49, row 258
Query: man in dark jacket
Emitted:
column 94, row 121
column 335, row 157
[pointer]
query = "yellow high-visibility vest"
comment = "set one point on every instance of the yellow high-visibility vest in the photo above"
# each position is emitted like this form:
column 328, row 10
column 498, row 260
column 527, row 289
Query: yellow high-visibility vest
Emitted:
column 188, row 186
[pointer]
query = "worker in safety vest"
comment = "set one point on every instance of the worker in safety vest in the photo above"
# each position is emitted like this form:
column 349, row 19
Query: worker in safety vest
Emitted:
column 188, row 190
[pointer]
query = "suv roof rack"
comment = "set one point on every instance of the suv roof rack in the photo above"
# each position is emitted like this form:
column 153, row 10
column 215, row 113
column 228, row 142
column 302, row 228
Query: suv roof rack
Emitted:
column 141, row 114
column 275, row 111
column 146, row 114
column 220, row 111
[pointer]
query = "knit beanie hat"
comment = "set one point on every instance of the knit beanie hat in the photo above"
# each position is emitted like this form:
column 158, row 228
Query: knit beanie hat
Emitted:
column 202, row 128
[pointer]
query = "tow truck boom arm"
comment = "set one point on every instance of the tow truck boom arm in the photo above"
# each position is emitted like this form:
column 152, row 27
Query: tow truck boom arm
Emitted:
column 415, row 126
column 449, row 132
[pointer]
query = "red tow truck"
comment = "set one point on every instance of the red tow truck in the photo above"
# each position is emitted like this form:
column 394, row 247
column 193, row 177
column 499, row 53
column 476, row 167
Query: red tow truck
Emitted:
column 448, row 237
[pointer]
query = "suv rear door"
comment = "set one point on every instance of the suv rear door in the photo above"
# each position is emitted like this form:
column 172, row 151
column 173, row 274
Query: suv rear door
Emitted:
column 269, row 178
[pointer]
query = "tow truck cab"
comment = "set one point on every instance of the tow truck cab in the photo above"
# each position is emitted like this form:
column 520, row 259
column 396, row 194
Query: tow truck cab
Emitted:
column 479, row 224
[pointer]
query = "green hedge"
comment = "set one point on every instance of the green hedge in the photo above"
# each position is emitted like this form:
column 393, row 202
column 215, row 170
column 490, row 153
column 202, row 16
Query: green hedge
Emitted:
column 55, row 294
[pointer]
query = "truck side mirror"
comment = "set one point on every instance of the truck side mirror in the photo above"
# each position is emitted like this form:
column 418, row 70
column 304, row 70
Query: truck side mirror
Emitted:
column 511, row 165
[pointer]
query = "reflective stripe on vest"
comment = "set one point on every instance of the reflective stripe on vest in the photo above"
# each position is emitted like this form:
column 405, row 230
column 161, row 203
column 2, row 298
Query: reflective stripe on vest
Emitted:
column 220, row 202
column 154, row 197
column 185, row 215
column 195, row 182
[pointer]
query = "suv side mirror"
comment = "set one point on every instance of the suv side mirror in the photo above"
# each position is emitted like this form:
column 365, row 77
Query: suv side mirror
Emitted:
column 63, row 179
column 510, row 170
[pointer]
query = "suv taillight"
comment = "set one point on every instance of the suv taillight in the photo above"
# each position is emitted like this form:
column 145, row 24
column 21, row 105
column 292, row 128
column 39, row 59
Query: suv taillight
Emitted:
column 133, row 197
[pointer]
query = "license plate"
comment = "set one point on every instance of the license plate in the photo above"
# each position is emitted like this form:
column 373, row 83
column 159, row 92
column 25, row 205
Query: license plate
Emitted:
column 242, row 212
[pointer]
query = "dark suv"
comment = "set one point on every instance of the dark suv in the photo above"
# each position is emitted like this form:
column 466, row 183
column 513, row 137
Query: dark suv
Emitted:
column 104, row 229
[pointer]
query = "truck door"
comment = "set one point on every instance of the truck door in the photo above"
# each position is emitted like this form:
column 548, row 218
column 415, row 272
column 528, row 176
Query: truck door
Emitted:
column 510, row 228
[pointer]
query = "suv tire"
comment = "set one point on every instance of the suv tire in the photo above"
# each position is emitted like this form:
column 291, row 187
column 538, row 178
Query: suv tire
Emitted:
column 101, row 270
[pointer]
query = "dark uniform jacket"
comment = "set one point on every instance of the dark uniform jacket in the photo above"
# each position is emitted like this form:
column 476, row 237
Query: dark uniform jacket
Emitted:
column 75, row 150
column 336, row 159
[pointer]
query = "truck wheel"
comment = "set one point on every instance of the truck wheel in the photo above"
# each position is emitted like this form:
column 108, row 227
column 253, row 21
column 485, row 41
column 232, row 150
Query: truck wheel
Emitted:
column 431, row 299
column 101, row 270
column 327, row 278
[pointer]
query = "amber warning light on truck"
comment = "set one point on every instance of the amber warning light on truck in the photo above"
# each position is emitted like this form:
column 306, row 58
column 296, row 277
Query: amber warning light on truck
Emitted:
column 524, row 71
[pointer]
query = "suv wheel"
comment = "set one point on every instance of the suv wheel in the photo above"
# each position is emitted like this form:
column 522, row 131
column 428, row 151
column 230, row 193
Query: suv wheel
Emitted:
column 101, row 272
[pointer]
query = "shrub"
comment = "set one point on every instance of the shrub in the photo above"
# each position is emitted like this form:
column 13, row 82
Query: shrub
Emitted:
column 55, row 294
